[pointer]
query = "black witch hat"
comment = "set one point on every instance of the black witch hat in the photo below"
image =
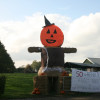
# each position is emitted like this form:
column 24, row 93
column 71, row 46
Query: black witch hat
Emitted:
column 47, row 23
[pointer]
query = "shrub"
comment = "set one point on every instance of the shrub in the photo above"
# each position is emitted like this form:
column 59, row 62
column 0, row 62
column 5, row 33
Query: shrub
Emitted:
column 2, row 84
column 20, row 70
column 28, row 69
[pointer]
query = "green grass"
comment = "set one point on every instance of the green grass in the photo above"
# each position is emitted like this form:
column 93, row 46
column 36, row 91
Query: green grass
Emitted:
column 18, row 85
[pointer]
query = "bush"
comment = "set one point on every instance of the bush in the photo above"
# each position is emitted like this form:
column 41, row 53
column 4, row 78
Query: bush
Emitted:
column 20, row 70
column 2, row 84
column 28, row 69
column 36, row 65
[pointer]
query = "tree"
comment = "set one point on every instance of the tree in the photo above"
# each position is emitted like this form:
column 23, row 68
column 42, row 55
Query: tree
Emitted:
column 36, row 65
column 20, row 69
column 6, row 63
column 28, row 69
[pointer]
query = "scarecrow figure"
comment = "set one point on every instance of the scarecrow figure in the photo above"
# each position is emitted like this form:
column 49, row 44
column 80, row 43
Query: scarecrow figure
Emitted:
column 52, row 55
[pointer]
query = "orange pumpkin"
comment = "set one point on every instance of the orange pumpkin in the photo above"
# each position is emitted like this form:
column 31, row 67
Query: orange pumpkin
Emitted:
column 64, row 73
column 36, row 89
column 67, row 74
column 37, row 92
column 43, row 74
column 33, row 92
column 62, row 92
column 52, row 36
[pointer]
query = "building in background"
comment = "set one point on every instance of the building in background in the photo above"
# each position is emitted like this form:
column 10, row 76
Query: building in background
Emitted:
column 95, row 62
column 89, row 64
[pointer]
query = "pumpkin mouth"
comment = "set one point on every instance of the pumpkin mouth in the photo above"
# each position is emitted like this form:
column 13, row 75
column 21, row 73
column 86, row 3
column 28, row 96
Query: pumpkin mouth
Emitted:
column 50, row 41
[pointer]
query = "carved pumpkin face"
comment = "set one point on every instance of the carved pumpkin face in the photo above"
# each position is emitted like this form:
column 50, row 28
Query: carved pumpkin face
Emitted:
column 52, row 36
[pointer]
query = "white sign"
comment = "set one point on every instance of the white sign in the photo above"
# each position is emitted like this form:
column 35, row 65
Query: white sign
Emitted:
column 83, row 81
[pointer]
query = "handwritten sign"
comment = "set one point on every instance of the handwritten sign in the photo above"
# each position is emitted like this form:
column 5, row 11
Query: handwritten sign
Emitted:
column 83, row 81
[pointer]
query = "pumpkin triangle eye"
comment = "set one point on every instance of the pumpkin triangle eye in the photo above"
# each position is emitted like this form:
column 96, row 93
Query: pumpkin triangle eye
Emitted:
column 48, row 31
column 55, row 31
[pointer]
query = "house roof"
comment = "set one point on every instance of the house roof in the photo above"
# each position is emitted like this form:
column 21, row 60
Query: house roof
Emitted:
column 80, row 65
column 95, row 61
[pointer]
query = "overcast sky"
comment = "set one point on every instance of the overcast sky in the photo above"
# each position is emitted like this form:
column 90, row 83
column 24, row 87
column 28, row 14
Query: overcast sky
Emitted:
column 21, row 22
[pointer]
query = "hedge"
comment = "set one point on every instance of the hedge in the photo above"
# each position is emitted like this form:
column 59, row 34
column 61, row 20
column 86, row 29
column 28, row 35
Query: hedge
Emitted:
column 2, row 83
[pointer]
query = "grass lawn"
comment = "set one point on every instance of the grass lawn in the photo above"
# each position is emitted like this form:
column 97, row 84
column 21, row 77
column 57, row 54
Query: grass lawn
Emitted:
column 18, row 85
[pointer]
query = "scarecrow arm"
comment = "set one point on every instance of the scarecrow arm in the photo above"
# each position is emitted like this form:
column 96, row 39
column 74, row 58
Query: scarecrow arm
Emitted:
column 34, row 49
column 69, row 50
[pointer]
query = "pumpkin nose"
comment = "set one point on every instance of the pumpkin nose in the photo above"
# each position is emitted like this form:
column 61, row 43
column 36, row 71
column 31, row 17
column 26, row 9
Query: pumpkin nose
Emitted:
column 51, row 35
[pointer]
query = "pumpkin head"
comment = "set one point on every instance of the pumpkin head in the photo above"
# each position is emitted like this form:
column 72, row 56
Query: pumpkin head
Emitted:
column 51, row 36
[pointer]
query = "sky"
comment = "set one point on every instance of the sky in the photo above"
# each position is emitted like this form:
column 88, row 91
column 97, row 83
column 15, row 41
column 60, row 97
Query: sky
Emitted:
column 21, row 22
